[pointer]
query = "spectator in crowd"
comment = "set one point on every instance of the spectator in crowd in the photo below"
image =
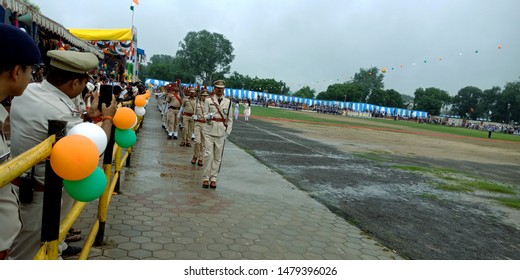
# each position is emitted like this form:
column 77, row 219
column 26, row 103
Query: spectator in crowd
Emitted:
column 53, row 99
column 18, row 53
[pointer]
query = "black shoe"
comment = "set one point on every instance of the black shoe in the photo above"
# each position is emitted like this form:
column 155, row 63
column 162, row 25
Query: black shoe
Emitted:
column 169, row 137
column 175, row 137
column 71, row 251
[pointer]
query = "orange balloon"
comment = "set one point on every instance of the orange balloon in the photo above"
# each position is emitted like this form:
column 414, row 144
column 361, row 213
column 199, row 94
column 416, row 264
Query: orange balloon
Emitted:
column 74, row 157
column 125, row 118
column 140, row 101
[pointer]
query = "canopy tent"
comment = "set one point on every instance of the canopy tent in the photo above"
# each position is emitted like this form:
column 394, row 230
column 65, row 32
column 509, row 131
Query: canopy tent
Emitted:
column 119, row 44
column 121, row 34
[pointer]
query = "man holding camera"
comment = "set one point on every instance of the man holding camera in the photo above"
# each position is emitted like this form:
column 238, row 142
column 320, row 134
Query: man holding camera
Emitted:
column 50, row 100
column 18, row 54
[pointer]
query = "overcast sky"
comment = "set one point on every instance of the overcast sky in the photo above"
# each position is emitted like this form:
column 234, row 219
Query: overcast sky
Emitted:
column 318, row 43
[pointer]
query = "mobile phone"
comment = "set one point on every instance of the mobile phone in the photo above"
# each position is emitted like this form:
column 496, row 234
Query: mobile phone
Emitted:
column 106, row 92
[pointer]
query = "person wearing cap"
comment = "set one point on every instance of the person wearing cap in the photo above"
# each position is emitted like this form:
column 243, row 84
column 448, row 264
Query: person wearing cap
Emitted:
column 218, row 126
column 51, row 100
column 199, row 121
column 187, row 109
column 174, row 101
column 18, row 54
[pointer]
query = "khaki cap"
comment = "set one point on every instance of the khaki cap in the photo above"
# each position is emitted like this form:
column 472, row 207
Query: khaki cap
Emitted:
column 204, row 92
column 219, row 84
column 72, row 61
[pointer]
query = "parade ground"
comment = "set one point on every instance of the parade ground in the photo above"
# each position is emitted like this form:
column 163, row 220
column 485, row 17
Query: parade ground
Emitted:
column 298, row 190
column 163, row 212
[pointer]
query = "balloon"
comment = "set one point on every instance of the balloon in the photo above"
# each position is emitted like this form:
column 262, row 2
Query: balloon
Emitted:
column 383, row 70
column 74, row 157
column 499, row 46
column 89, row 188
column 125, row 138
column 124, row 118
column 139, row 111
column 93, row 132
column 140, row 101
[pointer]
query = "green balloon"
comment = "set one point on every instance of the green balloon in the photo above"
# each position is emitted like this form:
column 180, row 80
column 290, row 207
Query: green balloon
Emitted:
column 125, row 138
column 88, row 189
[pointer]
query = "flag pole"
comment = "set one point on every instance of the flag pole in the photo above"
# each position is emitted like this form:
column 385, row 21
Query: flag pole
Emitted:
column 134, row 47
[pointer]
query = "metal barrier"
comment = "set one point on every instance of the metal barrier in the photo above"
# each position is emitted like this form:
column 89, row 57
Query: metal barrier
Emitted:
column 50, row 240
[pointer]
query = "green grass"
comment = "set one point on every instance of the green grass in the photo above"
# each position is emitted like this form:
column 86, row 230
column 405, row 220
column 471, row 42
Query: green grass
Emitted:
column 510, row 202
column 373, row 156
column 490, row 187
column 439, row 172
column 454, row 187
column 307, row 117
column 377, row 123
column 458, row 181
column 429, row 196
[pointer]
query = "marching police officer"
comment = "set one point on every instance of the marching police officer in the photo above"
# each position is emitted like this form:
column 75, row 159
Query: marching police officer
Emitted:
column 18, row 53
column 198, row 118
column 218, row 126
column 188, row 108
column 174, row 101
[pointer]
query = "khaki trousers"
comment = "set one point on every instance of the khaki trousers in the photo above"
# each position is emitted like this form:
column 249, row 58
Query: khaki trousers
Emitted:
column 212, row 157
column 173, row 121
column 187, row 122
column 198, row 148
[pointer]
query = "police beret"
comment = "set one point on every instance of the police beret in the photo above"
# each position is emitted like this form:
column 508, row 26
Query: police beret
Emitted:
column 219, row 84
column 17, row 47
column 71, row 61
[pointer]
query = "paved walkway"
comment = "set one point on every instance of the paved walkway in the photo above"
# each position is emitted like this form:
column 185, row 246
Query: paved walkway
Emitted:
column 164, row 213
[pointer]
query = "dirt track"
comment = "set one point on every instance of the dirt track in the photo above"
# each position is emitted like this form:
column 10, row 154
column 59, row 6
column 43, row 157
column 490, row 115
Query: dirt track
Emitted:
column 402, row 209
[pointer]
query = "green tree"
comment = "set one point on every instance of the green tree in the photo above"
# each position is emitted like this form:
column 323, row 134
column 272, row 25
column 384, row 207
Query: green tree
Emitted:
column 466, row 101
column 407, row 101
column 370, row 79
column 387, row 98
column 166, row 68
column 206, row 54
column 237, row 80
column 508, row 104
column 430, row 100
column 305, row 92
column 349, row 91
column 488, row 102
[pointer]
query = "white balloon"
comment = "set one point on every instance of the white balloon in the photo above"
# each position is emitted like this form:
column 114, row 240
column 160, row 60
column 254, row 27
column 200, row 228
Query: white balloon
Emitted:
column 93, row 132
column 140, row 111
column 135, row 123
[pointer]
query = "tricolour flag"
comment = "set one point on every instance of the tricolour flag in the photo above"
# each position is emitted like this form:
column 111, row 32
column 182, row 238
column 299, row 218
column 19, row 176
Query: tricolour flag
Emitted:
column 134, row 3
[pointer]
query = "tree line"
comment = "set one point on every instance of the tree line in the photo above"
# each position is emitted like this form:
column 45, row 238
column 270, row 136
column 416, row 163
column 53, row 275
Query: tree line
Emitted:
column 203, row 57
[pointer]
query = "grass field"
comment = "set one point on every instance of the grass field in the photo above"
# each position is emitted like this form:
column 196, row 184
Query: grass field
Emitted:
column 277, row 113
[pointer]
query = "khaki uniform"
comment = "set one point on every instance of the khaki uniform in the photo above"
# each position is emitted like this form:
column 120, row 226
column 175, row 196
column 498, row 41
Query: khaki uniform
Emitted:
column 174, row 105
column 10, row 219
column 215, row 133
column 29, row 114
column 188, row 105
column 198, row 148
